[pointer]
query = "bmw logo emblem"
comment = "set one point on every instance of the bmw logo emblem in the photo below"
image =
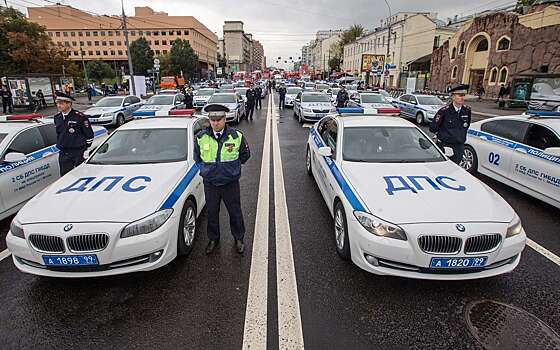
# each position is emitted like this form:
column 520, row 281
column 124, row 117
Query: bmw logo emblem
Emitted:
column 460, row 228
column 68, row 227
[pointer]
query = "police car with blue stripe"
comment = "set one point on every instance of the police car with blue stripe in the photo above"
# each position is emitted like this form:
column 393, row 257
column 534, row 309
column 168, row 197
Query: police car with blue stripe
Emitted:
column 402, row 208
column 520, row 151
column 160, row 103
column 29, row 158
column 113, row 110
column 118, row 212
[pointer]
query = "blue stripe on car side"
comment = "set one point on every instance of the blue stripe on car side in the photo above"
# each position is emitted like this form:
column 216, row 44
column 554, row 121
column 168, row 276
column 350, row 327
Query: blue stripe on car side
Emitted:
column 180, row 188
column 348, row 192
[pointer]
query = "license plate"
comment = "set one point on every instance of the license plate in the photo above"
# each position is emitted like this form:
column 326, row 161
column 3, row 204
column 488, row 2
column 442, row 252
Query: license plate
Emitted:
column 93, row 120
column 458, row 263
column 70, row 260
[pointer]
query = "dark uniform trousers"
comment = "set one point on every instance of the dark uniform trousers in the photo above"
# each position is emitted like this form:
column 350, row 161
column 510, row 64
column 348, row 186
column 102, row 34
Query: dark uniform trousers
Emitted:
column 68, row 159
column 458, row 149
column 230, row 194
column 258, row 99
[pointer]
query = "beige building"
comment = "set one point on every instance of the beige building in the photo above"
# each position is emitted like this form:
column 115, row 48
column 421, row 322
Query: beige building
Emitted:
column 102, row 37
column 413, row 35
column 258, row 62
column 238, row 47
column 319, row 50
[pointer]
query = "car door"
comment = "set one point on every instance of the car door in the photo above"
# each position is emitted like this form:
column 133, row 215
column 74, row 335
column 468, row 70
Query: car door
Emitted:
column 413, row 106
column 199, row 125
column 329, row 136
column 26, row 179
column 403, row 103
column 496, row 143
column 135, row 103
column 532, row 167
column 297, row 104
column 354, row 101
column 241, row 106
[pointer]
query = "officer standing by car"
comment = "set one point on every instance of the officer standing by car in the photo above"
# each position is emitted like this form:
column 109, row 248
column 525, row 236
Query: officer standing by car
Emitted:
column 219, row 152
column 282, row 92
column 73, row 131
column 451, row 123
column 258, row 97
column 7, row 103
column 342, row 97
column 250, row 105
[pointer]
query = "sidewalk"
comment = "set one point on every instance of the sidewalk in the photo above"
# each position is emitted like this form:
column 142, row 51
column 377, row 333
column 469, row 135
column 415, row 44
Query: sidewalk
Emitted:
column 81, row 104
column 488, row 109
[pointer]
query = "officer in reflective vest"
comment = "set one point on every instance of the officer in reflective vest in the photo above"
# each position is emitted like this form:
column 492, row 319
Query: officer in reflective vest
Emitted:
column 219, row 152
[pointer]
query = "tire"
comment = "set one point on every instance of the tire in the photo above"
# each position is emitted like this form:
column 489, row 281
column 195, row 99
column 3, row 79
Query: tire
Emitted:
column 308, row 161
column 342, row 243
column 120, row 120
column 187, row 229
column 420, row 118
column 470, row 160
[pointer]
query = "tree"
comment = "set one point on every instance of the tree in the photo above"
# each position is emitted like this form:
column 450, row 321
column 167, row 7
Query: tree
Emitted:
column 25, row 47
column 142, row 56
column 182, row 58
column 334, row 63
column 165, row 65
column 351, row 34
column 99, row 70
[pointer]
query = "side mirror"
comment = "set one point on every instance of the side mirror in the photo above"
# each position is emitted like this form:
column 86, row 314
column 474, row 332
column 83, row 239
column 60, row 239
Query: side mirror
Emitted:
column 126, row 104
column 325, row 151
column 448, row 151
column 414, row 102
column 14, row 157
column 555, row 151
column 93, row 104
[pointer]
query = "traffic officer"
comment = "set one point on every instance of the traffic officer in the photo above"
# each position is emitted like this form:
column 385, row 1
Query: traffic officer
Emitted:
column 250, row 105
column 219, row 152
column 73, row 131
column 258, row 97
column 342, row 97
column 282, row 92
column 451, row 122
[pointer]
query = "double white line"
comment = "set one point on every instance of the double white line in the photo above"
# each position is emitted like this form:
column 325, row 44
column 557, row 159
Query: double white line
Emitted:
column 290, row 334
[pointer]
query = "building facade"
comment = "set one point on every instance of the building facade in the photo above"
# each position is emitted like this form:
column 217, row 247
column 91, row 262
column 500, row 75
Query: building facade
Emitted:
column 318, row 50
column 258, row 62
column 498, row 48
column 91, row 37
column 238, row 46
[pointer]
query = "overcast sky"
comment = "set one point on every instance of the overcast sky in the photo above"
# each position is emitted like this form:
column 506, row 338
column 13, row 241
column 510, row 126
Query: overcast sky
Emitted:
column 282, row 26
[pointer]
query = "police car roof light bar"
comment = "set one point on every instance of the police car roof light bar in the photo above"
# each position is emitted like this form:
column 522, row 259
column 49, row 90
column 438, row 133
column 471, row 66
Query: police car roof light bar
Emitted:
column 356, row 110
column 542, row 114
column 21, row 117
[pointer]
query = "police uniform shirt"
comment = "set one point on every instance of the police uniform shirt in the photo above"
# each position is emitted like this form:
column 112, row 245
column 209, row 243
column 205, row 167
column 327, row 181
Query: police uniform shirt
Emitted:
column 73, row 130
column 451, row 124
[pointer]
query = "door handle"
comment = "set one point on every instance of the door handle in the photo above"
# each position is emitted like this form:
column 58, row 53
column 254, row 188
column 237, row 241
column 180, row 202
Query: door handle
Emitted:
column 521, row 150
column 47, row 154
column 482, row 137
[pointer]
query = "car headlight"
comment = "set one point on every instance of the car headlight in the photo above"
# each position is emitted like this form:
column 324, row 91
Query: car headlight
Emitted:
column 379, row 227
column 308, row 110
column 148, row 224
column 16, row 228
column 514, row 227
column 106, row 115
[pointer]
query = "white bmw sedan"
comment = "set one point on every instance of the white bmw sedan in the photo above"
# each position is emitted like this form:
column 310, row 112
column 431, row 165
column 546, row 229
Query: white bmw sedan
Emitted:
column 402, row 208
column 118, row 212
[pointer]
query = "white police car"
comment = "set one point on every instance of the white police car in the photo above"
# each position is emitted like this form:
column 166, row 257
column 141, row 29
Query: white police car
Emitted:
column 373, row 100
column 291, row 94
column 201, row 97
column 118, row 212
column 232, row 101
column 312, row 106
column 402, row 208
column 420, row 107
column 28, row 159
column 161, row 103
column 113, row 110
column 521, row 151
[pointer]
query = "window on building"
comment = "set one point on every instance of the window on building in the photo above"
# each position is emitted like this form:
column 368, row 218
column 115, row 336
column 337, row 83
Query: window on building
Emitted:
column 76, row 53
column 104, row 43
column 88, row 34
column 103, row 33
column 395, row 38
column 57, row 34
column 170, row 32
column 64, row 33
column 163, row 32
column 72, row 33
column 453, row 53
column 155, row 33
column 493, row 76
column 544, row 68
column 81, row 43
column 132, row 33
column 118, row 43
column 383, row 40
column 50, row 34
column 503, row 75
column 156, row 42
column 97, row 43
column 140, row 32
column 67, row 44
column 157, row 52
column 462, row 48
column 98, row 53
column 120, row 52
column 164, row 42
column 117, row 33
column 111, row 43
column 105, row 53
column 186, row 32
column 503, row 44
column 149, row 42
column 95, row 33
column 80, row 34
column 454, row 72
column 164, row 52
column 74, row 43
column 112, row 52
column 482, row 45
column 90, row 53
column 89, row 43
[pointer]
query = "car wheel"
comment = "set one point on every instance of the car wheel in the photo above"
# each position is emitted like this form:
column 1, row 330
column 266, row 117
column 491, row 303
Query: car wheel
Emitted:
column 187, row 228
column 308, row 161
column 120, row 120
column 470, row 160
column 341, row 232
column 419, row 118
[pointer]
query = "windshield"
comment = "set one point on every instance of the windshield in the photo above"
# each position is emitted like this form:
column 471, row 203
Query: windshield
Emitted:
column 109, row 102
column 388, row 145
column 309, row 85
column 205, row 92
column 222, row 99
column 384, row 93
column 429, row 100
column 160, row 100
column 293, row 91
column 321, row 86
column 226, row 87
column 143, row 146
column 373, row 98
column 315, row 98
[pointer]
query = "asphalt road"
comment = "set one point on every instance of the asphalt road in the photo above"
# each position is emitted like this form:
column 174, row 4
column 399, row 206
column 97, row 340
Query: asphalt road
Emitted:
column 200, row 302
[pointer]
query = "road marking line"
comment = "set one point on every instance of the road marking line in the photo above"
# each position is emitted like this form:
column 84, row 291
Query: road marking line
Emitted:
column 254, row 333
column 290, row 333
column 3, row 255
column 543, row 251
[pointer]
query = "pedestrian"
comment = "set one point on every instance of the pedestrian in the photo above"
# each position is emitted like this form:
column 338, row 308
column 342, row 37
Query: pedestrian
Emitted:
column 480, row 91
column 451, row 123
column 188, row 98
column 41, row 98
column 7, row 101
column 282, row 92
column 500, row 93
column 219, row 152
column 73, row 133
column 342, row 97
column 89, row 92
column 273, row 84
column 250, row 105
column 258, row 97
column 269, row 86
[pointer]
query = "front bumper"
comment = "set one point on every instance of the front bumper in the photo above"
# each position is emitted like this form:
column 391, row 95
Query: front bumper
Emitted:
column 311, row 116
column 406, row 258
column 132, row 254
column 106, row 120
column 198, row 104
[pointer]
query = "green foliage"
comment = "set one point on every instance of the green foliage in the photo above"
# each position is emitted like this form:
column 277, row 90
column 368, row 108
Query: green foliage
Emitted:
column 99, row 70
column 334, row 63
column 165, row 65
column 351, row 34
column 142, row 56
column 182, row 58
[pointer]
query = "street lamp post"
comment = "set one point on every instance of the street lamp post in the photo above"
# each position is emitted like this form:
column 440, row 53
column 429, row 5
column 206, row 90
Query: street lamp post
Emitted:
column 130, row 70
column 388, row 44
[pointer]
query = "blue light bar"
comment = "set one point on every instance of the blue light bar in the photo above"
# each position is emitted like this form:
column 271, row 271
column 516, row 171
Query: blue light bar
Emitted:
column 350, row 110
column 543, row 113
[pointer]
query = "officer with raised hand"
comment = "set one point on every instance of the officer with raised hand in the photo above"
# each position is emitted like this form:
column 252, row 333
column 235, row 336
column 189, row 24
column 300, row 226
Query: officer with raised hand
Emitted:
column 451, row 123
column 219, row 152
column 73, row 131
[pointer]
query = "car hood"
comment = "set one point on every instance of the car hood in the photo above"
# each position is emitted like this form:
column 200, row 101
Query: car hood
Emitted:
column 315, row 105
column 101, row 110
column 202, row 98
column 376, row 105
column 103, row 202
column 476, row 202
column 231, row 106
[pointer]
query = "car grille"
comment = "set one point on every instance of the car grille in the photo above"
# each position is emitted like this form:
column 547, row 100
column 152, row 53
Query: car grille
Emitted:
column 482, row 243
column 44, row 243
column 440, row 244
column 87, row 243
column 321, row 110
column 93, row 115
